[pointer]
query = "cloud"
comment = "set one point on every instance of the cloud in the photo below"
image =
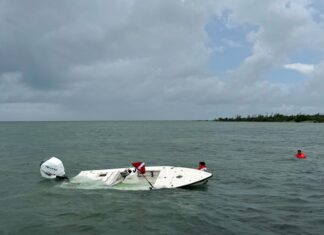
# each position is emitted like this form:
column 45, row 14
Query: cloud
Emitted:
column 303, row 68
column 283, row 27
column 315, row 85
column 146, row 59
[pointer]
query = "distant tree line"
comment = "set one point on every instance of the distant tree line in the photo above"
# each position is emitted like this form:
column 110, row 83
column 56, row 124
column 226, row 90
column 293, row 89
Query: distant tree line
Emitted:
column 275, row 118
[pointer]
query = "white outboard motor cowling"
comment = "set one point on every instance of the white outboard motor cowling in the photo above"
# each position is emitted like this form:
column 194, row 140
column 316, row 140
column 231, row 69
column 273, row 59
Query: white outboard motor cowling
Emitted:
column 52, row 169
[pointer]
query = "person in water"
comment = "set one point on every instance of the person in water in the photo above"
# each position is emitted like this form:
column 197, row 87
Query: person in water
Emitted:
column 202, row 166
column 300, row 154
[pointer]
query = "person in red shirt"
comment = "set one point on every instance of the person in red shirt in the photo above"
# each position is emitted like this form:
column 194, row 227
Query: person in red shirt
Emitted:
column 300, row 154
column 202, row 166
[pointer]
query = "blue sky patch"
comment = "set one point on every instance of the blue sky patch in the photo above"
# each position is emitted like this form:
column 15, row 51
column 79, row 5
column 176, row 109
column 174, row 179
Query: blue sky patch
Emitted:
column 286, row 76
column 228, row 43
column 306, row 56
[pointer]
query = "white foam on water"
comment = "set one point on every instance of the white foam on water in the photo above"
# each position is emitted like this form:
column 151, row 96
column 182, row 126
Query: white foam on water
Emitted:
column 80, row 182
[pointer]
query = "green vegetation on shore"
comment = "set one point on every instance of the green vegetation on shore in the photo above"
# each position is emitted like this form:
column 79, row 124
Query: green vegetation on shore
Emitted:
column 275, row 118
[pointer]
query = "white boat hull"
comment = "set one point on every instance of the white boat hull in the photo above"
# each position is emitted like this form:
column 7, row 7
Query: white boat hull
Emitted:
column 156, row 177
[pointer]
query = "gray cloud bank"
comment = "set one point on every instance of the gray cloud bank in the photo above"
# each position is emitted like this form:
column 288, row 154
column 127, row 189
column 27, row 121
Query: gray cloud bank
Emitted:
column 134, row 60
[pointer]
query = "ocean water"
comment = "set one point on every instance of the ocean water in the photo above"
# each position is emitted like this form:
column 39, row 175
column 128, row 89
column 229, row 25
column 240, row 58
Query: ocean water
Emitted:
column 257, row 188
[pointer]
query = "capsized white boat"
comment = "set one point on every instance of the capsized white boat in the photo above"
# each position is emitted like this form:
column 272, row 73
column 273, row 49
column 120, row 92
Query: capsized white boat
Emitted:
column 155, row 177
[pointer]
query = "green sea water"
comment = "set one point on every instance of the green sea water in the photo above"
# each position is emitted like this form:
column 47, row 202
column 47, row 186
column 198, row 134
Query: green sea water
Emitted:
column 257, row 188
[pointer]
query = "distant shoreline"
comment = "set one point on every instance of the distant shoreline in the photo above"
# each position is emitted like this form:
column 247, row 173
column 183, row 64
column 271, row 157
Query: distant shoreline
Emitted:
column 311, row 118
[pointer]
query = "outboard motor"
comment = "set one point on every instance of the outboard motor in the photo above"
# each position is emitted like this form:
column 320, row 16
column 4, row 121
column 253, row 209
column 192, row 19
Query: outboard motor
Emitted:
column 53, row 169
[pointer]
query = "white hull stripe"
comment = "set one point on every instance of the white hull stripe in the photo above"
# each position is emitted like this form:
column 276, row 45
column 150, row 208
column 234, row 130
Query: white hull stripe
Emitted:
column 142, row 165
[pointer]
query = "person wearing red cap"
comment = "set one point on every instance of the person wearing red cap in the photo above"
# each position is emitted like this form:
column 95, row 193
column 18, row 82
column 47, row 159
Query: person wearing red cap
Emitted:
column 300, row 154
column 202, row 166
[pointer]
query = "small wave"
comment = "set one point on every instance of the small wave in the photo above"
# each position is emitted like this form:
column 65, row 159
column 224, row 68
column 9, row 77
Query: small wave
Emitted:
column 69, row 214
column 286, row 227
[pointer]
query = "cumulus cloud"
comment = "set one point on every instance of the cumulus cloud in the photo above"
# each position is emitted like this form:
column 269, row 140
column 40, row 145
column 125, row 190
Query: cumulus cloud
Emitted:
column 303, row 68
column 283, row 27
column 145, row 59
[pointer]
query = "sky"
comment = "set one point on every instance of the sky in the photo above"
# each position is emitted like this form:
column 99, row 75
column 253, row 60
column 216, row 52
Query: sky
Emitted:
column 160, row 59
